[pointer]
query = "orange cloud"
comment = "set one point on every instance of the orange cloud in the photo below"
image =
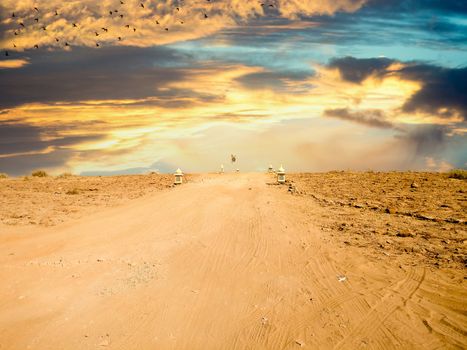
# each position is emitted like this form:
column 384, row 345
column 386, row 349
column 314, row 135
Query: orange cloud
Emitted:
column 141, row 26
column 11, row 64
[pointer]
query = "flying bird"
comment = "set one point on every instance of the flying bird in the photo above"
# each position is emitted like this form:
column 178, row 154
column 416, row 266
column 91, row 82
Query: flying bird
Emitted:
column 75, row 25
column 233, row 158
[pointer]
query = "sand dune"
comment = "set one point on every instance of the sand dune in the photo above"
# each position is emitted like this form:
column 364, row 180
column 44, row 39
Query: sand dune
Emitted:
column 225, row 262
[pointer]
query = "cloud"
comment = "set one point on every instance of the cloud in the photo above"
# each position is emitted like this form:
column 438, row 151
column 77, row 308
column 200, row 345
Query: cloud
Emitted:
column 441, row 93
column 357, row 70
column 373, row 118
column 160, row 166
column 433, row 164
column 22, row 138
column 12, row 64
column 426, row 140
column 443, row 90
column 409, row 6
column 25, row 147
column 146, row 25
column 112, row 73
column 24, row 164
column 277, row 81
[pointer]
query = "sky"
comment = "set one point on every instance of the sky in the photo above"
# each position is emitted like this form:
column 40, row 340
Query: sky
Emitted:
column 105, row 87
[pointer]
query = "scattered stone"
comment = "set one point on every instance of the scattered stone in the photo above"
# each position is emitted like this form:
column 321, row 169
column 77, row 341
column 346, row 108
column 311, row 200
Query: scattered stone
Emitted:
column 300, row 343
column 341, row 278
column 390, row 210
column 424, row 217
column 105, row 342
column 264, row 320
column 405, row 234
column 453, row 221
column 414, row 185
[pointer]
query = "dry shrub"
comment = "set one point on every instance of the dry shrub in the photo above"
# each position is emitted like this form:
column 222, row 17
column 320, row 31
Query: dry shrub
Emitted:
column 460, row 174
column 64, row 175
column 39, row 173
column 74, row 191
column 3, row 176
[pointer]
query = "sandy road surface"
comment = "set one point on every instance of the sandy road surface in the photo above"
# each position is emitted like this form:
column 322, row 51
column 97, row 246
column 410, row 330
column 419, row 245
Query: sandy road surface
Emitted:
column 228, row 262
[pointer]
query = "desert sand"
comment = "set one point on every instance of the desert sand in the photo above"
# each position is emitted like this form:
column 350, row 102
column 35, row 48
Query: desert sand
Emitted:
column 234, row 261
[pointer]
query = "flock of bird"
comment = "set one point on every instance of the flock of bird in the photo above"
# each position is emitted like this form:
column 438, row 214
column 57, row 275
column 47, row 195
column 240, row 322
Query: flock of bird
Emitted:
column 116, row 13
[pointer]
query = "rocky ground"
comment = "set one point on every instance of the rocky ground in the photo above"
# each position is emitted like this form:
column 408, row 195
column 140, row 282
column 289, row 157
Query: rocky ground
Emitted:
column 420, row 217
column 48, row 201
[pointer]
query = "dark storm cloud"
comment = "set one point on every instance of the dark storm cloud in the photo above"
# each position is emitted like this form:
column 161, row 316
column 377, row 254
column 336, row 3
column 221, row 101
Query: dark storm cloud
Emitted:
column 24, row 164
column 22, row 138
column 443, row 90
column 356, row 70
column 88, row 74
column 373, row 118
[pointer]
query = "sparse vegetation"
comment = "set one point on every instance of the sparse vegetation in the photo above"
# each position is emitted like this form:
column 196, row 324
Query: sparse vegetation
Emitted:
column 3, row 176
column 64, row 175
column 74, row 191
column 460, row 174
column 39, row 173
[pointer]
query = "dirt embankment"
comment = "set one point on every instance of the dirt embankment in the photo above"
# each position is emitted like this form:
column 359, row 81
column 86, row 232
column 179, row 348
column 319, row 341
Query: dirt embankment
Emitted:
column 421, row 217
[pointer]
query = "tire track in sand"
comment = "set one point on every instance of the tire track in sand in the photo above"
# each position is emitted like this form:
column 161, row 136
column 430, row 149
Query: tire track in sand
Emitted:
column 394, row 299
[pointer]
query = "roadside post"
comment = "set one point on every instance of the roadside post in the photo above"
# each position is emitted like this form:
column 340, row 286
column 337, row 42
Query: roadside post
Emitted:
column 281, row 175
column 178, row 177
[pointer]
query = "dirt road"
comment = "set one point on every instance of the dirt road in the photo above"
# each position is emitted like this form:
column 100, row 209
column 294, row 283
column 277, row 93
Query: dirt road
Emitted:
column 227, row 262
